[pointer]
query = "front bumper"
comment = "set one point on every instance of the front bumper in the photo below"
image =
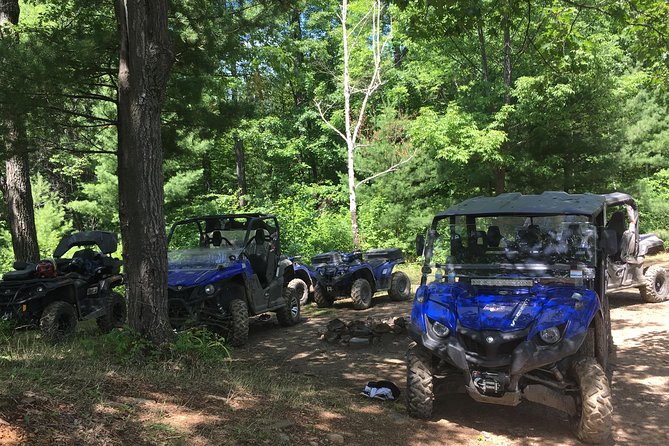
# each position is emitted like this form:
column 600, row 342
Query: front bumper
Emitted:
column 525, row 357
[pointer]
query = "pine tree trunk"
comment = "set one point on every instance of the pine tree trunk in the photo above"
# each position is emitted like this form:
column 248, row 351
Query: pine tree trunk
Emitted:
column 240, row 167
column 145, row 61
column 16, row 185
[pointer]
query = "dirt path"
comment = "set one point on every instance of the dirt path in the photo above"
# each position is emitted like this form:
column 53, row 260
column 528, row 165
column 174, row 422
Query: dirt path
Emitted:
column 640, row 383
column 311, row 395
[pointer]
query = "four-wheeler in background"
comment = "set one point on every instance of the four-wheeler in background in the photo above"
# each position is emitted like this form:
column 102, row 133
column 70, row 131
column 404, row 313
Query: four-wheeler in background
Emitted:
column 54, row 295
column 512, row 306
column 359, row 275
column 224, row 268
column 626, row 267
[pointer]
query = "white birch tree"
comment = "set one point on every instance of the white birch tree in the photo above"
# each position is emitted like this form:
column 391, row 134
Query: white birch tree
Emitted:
column 365, row 86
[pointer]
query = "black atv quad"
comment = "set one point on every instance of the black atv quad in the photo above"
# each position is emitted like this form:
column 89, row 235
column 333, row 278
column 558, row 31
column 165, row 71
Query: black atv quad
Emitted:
column 54, row 294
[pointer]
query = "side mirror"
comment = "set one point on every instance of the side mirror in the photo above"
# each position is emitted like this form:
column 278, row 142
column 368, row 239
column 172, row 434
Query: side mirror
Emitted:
column 259, row 237
column 420, row 244
column 608, row 241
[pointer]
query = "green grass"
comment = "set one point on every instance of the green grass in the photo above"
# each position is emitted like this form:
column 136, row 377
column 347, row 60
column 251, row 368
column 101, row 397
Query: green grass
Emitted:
column 65, row 385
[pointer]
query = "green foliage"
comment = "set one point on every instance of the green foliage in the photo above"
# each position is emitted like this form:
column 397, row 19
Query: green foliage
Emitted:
column 193, row 349
column 654, row 206
column 198, row 348
column 50, row 220
column 129, row 346
column 99, row 206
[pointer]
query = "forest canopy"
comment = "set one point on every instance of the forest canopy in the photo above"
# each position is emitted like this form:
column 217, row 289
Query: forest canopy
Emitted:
column 479, row 96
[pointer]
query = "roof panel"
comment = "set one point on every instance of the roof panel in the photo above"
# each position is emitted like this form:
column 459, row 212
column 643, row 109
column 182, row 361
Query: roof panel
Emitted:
column 547, row 203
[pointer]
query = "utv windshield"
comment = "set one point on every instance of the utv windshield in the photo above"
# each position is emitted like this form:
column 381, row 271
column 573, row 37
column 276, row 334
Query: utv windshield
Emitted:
column 208, row 241
column 526, row 246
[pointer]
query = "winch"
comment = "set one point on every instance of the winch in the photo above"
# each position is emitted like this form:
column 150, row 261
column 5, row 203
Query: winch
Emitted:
column 490, row 383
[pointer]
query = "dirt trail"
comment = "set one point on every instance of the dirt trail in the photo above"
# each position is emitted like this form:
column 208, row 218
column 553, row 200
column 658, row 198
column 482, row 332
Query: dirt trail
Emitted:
column 640, row 382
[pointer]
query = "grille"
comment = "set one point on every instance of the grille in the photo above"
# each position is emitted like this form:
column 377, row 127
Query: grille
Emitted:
column 503, row 344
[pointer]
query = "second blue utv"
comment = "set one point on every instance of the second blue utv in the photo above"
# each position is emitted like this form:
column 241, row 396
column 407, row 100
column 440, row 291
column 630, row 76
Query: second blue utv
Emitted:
column 224, row 268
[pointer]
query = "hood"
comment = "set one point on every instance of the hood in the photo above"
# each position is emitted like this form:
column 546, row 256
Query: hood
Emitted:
column 190, row 277
column 499, row 309
column 187, row 276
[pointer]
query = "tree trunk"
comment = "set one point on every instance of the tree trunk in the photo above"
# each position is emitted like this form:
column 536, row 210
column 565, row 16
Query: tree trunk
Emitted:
column 240, row 163
column 207, row 179
column 16, row 186
column 145, row 61
column 9, row 11
column 350, row 138
column 484, row 55
column 500, row 181
column 352, row 200
column 568, row 173
column 299, row 93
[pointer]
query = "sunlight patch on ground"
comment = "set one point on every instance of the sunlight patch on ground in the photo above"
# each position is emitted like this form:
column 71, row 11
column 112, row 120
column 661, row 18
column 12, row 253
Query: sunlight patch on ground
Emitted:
column 9, row 435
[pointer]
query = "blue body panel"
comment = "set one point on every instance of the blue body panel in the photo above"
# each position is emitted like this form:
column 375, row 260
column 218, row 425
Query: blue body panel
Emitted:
column 384, row 271
column 192, row 275
column 505, row 310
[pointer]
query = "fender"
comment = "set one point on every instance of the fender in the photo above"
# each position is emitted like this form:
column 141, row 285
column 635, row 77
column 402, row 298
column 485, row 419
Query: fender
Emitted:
column 110, row 282
column 283, row 265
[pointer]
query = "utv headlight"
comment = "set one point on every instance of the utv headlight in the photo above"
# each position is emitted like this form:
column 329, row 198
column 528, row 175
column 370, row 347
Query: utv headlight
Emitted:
column 440, row 329
column 550, row 335
column 209, row 289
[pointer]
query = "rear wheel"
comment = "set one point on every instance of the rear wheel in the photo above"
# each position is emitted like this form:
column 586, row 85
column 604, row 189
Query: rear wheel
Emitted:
column 302, row 290
column 322, row 298
column 290, row 314
column 594, row 418
column 361, row 293
column 656, row 287
column 400, row 286
column 420, row 382
column 58, row 321
column 116, row 316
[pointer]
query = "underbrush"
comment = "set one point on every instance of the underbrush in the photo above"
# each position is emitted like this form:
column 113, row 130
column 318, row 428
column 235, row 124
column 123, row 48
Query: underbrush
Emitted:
column 124, row 386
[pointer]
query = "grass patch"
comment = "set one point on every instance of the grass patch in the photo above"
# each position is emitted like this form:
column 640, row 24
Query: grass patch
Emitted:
column 107, row 388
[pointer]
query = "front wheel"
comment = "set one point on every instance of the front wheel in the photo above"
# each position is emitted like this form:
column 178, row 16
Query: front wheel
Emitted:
column 321, row 297
column 116, row 314
column 290, row 313
column 400, row 286
column 361, row 293
column 656, row 287
column 594, row 418
column 236, row 330
column 420, row 382
column 58, row 321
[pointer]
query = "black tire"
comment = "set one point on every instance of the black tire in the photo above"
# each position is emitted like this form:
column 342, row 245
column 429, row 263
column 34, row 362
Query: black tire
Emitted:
column 58, row 321
column 290, row 314
column 656, row 287
column 236, row 332
column 420, row 382
column 322, row 298
column 302, row 290
column 400, row 286
column 361, row 293
column 594, row 407
column 116, row 316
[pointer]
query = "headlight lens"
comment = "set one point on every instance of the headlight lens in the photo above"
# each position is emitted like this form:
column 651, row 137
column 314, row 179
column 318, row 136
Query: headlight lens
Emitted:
column 209, row 289
column 440, row 329
column 550, row 335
